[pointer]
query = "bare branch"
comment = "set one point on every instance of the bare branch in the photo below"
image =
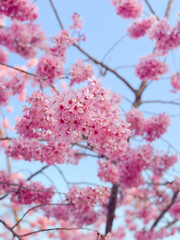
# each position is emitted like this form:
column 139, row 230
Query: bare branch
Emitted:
column 151, row 9
column 161, row 215
column 37, row 206
column 58, row 229
column 10, row 229
column 39, row 171
column 161, row 101
column 17, row 69
column 168, row 10
column 113, row 46
column 56, row 13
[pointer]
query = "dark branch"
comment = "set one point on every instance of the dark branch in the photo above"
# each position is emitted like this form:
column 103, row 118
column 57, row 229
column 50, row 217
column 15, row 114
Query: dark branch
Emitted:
column 161, row 215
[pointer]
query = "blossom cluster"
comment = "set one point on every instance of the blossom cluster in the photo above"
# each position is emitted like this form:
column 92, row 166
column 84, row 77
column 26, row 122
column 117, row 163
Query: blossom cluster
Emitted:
column 24, row 39
column 49, row 68
column 128, row 8
column 149, row 129
column 76, row 115
column 23, row 192
column 107, row 171
column 150, row 68
column 3, row 56
column 141, row 28
column 166, row 37
column 77, row 22
column 132, row 164
column 32, row 149
column 85, row 198
column 21, row 10
column 175, row 81
column 80, row 72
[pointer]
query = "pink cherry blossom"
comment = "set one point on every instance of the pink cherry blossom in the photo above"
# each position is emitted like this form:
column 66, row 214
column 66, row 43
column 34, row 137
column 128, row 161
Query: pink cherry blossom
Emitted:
column 150, row 68
column 80, row 72
column 128, row 8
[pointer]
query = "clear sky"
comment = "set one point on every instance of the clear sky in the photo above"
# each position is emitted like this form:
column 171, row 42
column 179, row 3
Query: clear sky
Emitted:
column 103, row 28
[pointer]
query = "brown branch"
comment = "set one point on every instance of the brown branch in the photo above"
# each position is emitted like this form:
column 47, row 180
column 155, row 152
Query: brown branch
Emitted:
column 112, row 207
column 11, row 230
column 169, row 6
column 151, row 9
column 90, row 57
column 17, row 69
column 59, row 229
column 161, row 215
column 34, row 174
column 106, row 67
column 57, row 15
column 160, row 101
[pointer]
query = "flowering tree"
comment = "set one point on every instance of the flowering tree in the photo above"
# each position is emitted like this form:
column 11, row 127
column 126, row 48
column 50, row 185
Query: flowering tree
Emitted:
column 69, row 117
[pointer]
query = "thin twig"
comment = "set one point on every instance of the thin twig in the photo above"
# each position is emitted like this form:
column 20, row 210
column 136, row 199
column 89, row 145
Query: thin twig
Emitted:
column 39, row 171
column 17, row 69
column 160, row 101
column 56, row 13
column 58, row 229
column 38, row 206
column 165, row 210
column 151, row 9
column 112, row 47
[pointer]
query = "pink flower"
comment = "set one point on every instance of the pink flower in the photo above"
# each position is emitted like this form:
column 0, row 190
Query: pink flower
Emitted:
column 140, row 29
column 128, row 8
column 19, row 9
column 80, row 72
column 150, row 68
column 175, row 81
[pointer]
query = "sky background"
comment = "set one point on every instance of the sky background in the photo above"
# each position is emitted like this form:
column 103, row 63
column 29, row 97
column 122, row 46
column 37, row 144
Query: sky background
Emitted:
column 103, row 28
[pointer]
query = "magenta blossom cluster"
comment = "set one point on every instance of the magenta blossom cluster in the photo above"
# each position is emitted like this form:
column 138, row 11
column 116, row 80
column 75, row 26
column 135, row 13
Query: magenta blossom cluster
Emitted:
column 150, row 68
column 166, row 37
column 80, row 72
column 24, row 39
column 175, row 81
column 49, row 68
column 77, row 22
column 33, row 149
column 85, row 198
column 61, row 42
column 107, row 171
column 4, row 93
column 21, row 10
column 3, row 56
column 85, row 114
column 128, row 8
column 132, row 164
column 141, row 28
column 150, row 129
column 23, row 192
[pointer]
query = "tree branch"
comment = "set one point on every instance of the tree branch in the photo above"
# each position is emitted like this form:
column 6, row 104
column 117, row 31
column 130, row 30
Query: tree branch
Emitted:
column 112, row 207
column 57, row 15
column 37, row 206
column 161, row 101
column 169, row 6
column 150, row 8
column 10, row 229
column 165, row 210
column 59, row 229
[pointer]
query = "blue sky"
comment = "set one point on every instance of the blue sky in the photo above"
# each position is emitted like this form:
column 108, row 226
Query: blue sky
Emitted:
column 103, row 28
